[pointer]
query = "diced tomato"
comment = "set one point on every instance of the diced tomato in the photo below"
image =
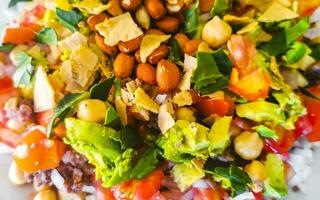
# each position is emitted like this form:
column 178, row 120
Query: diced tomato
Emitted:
column 272, row 146
column 205, row 194
column 6, row 89
column 303, row 126
column 307, row 7
column 21, row 34
column 41, row 153
column 258, row 196
column 208, row 106
column 315, row 90
column 313, row 119
column 9, row 138
column 103, row 193
column 35, row 13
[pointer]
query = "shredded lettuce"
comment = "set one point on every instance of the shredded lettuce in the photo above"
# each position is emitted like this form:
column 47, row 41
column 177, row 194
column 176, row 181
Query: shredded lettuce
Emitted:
column 219, row 7
column 24, row 70
column 296, row 52
column 192, row 22
column 219, row 135
column 266, row 132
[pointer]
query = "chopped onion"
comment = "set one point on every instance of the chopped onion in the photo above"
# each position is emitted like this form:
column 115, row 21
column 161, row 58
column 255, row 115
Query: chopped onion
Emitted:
column 201, row 184
column 315, row 17
column 187, row 196
column 91, row 197
column 313, row 33
column 88, row 189
column 160, row 98
column 57, row 180
column 245, row 196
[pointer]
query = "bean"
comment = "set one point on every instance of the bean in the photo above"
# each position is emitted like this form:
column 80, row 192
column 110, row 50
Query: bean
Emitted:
column 123, row 65
column 155, row 32
column 206, row 5
column 130, row 46
column 96, row 19
column 167, row 75
column 146, row 73
column 160, row 53
column 155, row 8
column 137, row 56
column 130, row 5
column 191, row 46
column 105, row 48
column 182, row 39
column 168, row 24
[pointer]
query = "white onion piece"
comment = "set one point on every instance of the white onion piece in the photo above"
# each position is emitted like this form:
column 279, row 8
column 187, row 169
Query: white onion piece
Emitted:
column 91, row 197
column 245, row 196
column 187, row 196
column 88, row 189
column 201, row 184
column 313, row 33
column 57, row 180
column 315, row 17
column 160, row 98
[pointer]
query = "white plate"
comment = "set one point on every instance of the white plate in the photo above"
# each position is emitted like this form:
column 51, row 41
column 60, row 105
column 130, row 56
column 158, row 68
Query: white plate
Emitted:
column 10, row 192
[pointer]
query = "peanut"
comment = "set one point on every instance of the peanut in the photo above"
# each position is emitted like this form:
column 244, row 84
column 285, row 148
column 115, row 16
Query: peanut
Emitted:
column 182, row 39
column 167, row 75
column 130, row 5
column 205, row 5
column 123, row 65
column 146, row 73
column 137, row 56
column 155, row 8
column 130, row 46
column 105, row 48
column 191, row 46
column 96, row 19
column 168, row 24
column 160, row 53
column 155, row 32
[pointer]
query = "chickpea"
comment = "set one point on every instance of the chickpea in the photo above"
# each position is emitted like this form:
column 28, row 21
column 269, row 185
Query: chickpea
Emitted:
column 216, row 32
column 168, row 24
column 130, row 5
column 146, row 73
column 105, row 48
column 96, row 19
column 155, row 32
column 182, row 39
column 16, row 176
column 184, row 113
column 123, row 65
column 206, row 5
column 143, row 17
column 92, row 110
column 130, row 46
column 137, row 56
column 45, row 195
column 155, row 8
column 160, row 53
column 191, row 46
column 256, row 171
column 248, row 145
column 167, row 75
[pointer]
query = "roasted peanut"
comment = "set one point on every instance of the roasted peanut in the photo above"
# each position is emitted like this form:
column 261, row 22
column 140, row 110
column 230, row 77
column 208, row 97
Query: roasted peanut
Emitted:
column 205, row 5
column 123, row 65
column 191, row 46
column 155, row 8
column 146, row 73
column 130, row 5
column 96, row 19
column 179, row 16
column 143, row 17
column 155, row 32
column 137, row 56
column 248, row 145
column 168, row 24
column 115, row 7
column 182, row 39
column 130, row 46
column 105, row 48
column 167, row 75
column 216, row 32
column 160, row 53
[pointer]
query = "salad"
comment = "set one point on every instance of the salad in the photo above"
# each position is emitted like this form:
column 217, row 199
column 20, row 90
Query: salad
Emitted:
column 146, row 100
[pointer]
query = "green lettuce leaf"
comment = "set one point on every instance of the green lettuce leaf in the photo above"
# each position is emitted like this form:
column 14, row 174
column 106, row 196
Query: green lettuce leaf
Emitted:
column 22, row 77
column 175, row 51
column 275, row 185
column 266, row 132
column 69, row 19
column 219, row 7
column 296, row 52
column 6, row 47
column 146, row 164
column 15, row 2
column 101, row 90
column 47, row 36
column 192, row 22
column 112, row 118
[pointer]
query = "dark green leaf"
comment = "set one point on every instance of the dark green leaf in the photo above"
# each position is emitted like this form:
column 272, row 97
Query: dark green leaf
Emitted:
column 129, row 137
column 118, row 87
column 112, row 118
column 297, row 30
column 296, row 52
column 192, row 22
column 223, row 62
column 47, row 36
column 238, row 176
column 63, row 108
column 315, row 51
column 266, row 132
column 101, row 90
column 24, row 70
column 69, row 19
column 175, row 51
column 219, row 7
column 146, row 164
column 221, row 83
column 14, row 2
column 6, row 47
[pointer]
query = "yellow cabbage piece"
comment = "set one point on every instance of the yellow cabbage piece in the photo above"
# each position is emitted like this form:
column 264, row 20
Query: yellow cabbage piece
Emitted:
column 63, row 4
column 43, row 93
column 142, row 99
column 149, row 43
column 121, row 109
column 190, row 64
column 73, row 41
column 276, row 12
column 91, row 6
column 165, row 119
column 183, row 98
column 119, row 28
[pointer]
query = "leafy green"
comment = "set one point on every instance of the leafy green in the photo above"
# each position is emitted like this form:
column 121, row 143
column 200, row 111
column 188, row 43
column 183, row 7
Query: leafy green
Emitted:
column 129, row 137
column 192, row 21
column 184, row 140
column 69, row 19
column 266, row 132
column 296, row 52
column 223, row 62
column 6, row 47
column 14, row 2
column 275, row 185
column 175, row 51
column 63, row 108
column 22, row 77
column 315, row 51
column 101, row 90
column 112, row 118
column 186, row 174
column 232, row 178
column 261, row 111
column 146, row 164
column 219, row 7
column 282, row 40
column 221, row 83
column 47, row 36
column 219, row 135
